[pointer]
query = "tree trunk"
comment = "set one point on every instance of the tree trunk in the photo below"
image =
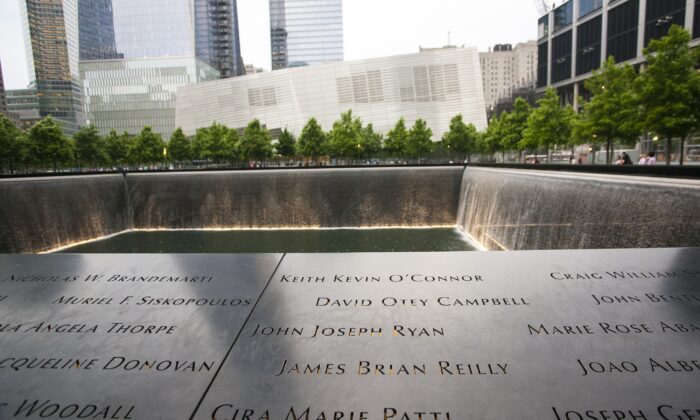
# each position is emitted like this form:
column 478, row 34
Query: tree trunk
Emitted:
column 668, row 151
column 608, row 152
column 546, row 156
column 682, row 151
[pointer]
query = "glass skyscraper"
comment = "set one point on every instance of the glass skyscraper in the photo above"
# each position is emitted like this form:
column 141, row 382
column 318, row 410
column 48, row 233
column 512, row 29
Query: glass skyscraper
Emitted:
column 51, row 44
column 161, row 45
column 305, row 32
column 97, row 30
column 206, row 29
column 129, row 94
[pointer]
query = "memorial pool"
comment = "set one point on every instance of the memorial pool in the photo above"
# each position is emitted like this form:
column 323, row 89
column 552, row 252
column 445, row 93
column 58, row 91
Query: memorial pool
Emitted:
column 279, row 240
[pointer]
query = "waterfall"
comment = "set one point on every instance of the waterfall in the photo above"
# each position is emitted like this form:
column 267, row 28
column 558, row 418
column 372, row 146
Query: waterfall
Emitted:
column 531, row 209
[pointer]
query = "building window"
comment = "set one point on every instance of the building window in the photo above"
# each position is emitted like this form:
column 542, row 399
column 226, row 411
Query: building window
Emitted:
column 542, row 60
column 661, row 14
column 563, row 15
column 622, row 31
column 588, row 6
column 696, row 20
column 566, row 95
column 588, row 45
column 543, row 27
column 561, row 57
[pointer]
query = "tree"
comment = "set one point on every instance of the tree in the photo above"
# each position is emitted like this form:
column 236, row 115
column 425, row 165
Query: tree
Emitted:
column 549, row 124
column 179, row 147
column 514, row 126
column 285, row 144
column 256, row 143
column 345, row 137
column 669, row 88
column 117, row 147
column 312, row 141
column 147, row 147
column 47, row 144
column 611, row 114
column 419, row 142
column 461, row 138
column 233, row 140
column 90, row 147
column 213, row 143
column 11, row 144
column 491, row 139
column 371, row 142
column 396, row 138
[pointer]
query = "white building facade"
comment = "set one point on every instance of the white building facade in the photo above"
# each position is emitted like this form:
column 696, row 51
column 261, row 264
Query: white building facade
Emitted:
column 432, row 85
column 505, row 69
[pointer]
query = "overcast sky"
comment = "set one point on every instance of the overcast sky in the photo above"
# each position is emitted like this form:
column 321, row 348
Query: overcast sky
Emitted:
column 372, row 28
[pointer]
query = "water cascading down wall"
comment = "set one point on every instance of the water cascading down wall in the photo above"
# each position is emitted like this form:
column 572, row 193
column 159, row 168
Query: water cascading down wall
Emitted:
column 501, row 209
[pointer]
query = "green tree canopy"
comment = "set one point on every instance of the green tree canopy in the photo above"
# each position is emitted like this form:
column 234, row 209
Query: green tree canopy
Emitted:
column 117, row 147
column 669, row 88
column 312, row 141
column 491, row 139
column 371, row 141
column 147, row 147
column 612, row 113
column 396, row 138
column 48, row 145
column 514, row 125
column 345, row 137
column 461, row 137
column 179, row 147
column 549, row 124
column 286, row 144
column 90, row 147
column 256, row 143
column 419, row 142
column 214, row 143
column 11, row 144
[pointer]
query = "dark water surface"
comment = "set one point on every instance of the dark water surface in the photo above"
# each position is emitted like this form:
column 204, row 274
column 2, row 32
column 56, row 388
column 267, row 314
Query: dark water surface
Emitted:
column 262, row 241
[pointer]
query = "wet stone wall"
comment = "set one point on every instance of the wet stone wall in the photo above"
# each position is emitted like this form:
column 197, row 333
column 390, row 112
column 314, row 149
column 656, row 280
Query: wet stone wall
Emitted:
column 38, row 214
column 527, row 210
column 296, row 198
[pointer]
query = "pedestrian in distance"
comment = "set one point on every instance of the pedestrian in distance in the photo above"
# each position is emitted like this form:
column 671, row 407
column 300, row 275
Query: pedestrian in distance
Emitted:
column 626, row 160
column 651, row 159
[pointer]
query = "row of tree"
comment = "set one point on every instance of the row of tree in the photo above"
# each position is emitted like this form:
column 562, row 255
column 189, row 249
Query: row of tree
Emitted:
column 662, row 99
column 45, row 146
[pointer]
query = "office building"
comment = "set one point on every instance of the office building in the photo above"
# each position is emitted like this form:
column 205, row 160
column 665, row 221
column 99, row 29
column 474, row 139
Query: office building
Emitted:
column 576, row 37
column 434, row 85
column 96, row 25
column 163, row 44
column 128, row 94
column 23, row 107
column 251, row 69
column 206, row 29
column 51, row 44
column 506, row 69
column 305, row 32
column 3, row 100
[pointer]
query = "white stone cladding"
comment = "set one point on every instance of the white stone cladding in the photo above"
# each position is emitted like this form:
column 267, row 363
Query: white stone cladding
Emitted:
column 433, row 85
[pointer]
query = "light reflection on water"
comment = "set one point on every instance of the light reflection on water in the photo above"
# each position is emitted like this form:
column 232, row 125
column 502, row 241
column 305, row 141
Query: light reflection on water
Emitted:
column 284, row 240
